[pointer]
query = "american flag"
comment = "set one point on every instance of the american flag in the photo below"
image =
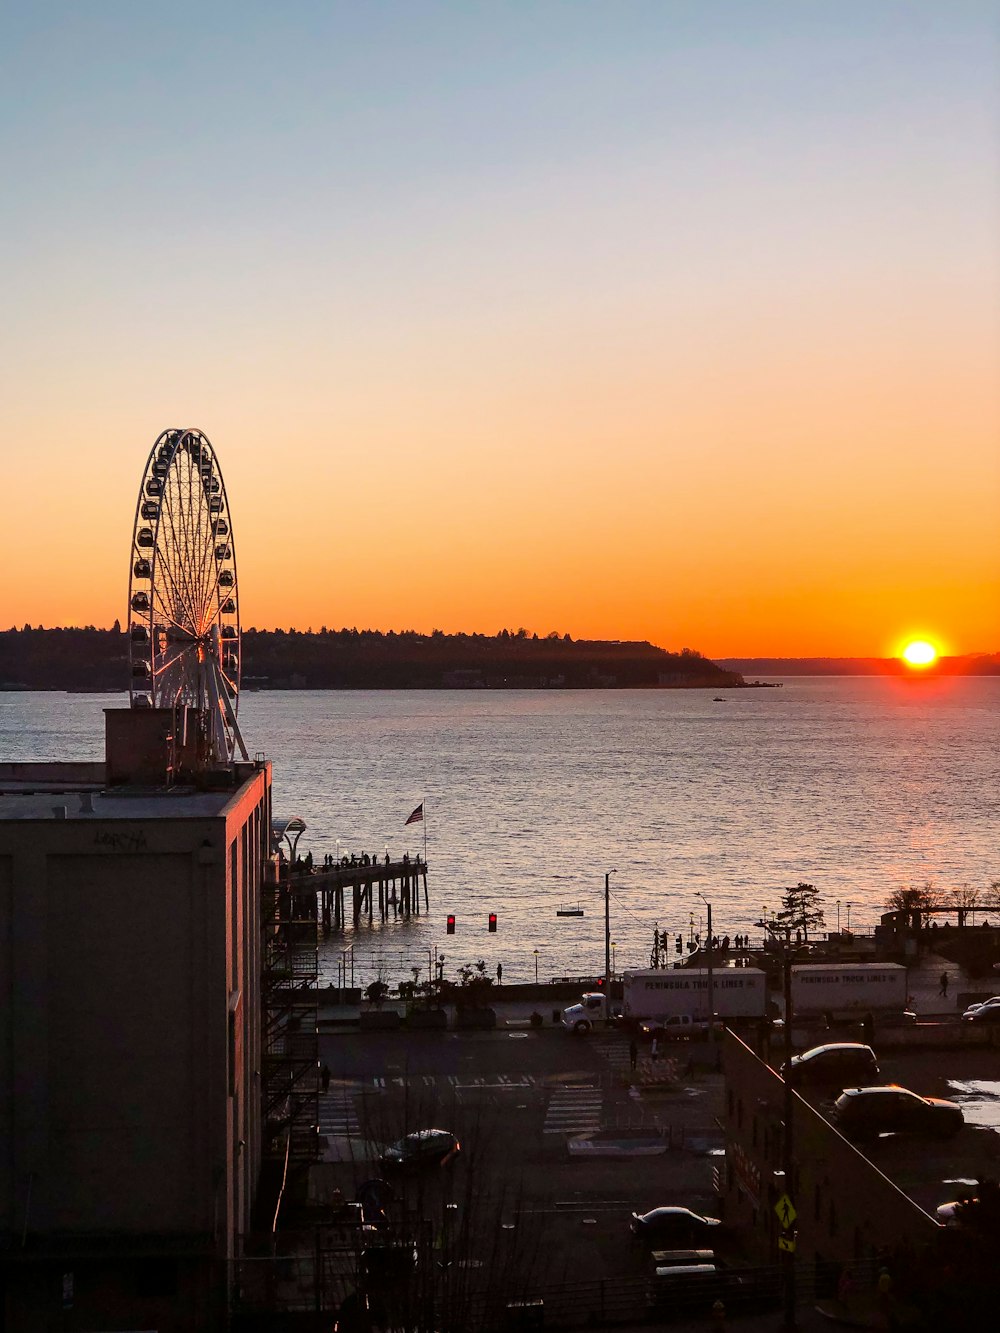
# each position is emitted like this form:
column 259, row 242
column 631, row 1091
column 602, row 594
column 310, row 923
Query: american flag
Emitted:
column 418, row 815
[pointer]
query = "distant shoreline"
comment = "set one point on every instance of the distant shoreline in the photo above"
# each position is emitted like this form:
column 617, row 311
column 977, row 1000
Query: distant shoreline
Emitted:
column 971, row 664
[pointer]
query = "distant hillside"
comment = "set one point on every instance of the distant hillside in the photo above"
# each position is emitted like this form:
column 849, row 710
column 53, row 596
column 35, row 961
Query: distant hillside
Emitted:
column 96, row 659
column 974, row 664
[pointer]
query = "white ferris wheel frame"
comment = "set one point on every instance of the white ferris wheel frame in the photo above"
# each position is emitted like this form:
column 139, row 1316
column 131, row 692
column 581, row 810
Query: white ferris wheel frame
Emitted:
column 183, row 598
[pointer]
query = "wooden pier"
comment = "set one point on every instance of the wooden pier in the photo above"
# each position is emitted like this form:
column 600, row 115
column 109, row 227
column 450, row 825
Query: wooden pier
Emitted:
column 392, row 888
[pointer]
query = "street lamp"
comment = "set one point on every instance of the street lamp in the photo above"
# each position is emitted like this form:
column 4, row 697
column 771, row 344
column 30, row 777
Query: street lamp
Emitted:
column 607, row 925
column 849, row 905
column 536, row 967
column 614, row 946
column 838, row 916
column 711, row 988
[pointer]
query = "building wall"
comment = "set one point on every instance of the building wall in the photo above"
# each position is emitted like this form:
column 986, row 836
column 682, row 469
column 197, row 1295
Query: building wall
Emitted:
column 847, row 1209
column 130, row 1040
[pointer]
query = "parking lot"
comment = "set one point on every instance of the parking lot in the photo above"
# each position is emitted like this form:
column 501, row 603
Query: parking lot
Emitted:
column 516, row 1099
column 522, row 1101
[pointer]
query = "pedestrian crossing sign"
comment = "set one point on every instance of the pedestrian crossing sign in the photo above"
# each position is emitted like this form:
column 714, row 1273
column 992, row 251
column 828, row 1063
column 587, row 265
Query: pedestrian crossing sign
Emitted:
column 786, row 1243
column 786, row 1211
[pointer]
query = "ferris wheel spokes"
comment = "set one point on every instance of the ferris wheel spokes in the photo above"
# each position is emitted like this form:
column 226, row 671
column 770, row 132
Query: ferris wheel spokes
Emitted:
column 184, row 639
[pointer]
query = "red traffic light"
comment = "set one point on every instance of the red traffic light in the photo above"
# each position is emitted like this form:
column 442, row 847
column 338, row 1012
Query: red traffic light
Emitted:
column 450, row 926
column 493, row 923
column 600, row 983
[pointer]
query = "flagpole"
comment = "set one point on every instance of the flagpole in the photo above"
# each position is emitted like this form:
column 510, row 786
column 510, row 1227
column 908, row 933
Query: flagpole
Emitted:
column 423, row 802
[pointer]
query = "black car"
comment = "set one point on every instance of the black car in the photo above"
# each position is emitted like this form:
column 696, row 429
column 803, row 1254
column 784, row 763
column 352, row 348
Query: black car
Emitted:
column 839, row 1064
column 674, row 1227
column 867, row 1112
column 424, row 1147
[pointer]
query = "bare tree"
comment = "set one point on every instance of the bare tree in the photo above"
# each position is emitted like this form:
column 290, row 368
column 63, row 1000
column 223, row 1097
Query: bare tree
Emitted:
column 965, row 898
column 910, row 899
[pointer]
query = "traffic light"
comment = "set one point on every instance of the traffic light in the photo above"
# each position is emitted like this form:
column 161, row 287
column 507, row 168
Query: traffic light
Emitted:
column 600, row 983
column 679, row 944
column 493, row 923
column 450, row 925
column 664, row 941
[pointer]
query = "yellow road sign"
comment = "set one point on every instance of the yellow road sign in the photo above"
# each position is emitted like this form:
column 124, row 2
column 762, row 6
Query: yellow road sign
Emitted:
column 786, row 1211
column 786, row 1243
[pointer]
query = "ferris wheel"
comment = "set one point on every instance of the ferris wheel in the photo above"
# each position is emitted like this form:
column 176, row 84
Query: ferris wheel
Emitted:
column 183, row 597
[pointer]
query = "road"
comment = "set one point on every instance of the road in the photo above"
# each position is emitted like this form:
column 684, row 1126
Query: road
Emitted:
column 516, row 1098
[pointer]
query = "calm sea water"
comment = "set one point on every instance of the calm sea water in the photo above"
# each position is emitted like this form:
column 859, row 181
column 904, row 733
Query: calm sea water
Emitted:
column 858, row 785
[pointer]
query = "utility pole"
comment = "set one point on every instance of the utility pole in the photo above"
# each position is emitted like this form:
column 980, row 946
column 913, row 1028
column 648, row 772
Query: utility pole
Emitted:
column 711, row 978
column 607, row 930
column 787, row 1242
column 788, row 1156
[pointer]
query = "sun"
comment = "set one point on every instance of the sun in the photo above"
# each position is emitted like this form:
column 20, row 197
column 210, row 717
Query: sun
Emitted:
column 920, row 653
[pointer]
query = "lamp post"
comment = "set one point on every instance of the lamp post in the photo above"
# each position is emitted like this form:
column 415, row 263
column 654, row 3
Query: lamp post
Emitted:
column 607, row 926
column 838, row 916
column 536, row 967
column 788, row 1111
column 849, row 918
column 711, row 988
column 614, row 946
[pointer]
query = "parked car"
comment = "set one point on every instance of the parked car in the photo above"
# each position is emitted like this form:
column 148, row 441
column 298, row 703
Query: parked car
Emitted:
column 867, row 1112
column 839, row 1064
column 671, row 1227
column 950, row 1214
column 424, row 1147
column 983, row 1013
column 692, row 1290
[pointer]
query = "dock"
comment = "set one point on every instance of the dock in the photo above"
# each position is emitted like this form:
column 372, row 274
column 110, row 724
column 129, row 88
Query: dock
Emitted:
column 392, row 888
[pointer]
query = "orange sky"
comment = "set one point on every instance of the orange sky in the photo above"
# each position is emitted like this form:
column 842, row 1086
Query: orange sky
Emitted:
column 713, row 371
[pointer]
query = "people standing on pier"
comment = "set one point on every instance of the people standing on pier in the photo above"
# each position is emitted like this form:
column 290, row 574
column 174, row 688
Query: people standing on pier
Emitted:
column 499, row 973
column 944, row 985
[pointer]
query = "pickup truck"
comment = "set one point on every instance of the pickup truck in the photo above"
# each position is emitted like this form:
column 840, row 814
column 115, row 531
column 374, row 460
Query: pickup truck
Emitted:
column 676, row 1027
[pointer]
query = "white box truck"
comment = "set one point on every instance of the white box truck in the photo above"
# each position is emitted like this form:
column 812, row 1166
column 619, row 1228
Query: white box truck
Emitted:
column 844, row 990
column 680, row 993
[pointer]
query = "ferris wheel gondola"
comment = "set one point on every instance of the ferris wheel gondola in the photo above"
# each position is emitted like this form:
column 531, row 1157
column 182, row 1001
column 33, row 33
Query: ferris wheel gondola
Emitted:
column 184, row 616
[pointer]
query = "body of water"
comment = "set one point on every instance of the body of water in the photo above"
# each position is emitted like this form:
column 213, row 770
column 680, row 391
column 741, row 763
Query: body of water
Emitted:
column 858, row 785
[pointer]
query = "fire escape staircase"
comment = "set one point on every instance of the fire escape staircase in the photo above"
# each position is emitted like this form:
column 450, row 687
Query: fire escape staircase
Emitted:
column 290, row 1026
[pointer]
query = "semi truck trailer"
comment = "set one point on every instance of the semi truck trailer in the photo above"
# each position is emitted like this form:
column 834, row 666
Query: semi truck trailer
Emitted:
column 843, row 990
column 663, row 994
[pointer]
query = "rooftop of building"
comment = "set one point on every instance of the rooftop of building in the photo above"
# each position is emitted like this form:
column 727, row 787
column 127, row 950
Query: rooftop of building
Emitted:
column 77, row 791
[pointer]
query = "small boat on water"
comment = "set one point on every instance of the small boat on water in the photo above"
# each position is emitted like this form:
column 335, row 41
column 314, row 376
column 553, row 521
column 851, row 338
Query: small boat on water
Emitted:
column 567, row 910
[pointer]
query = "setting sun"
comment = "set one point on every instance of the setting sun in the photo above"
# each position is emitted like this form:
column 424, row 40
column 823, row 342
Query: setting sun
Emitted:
column 920, row 653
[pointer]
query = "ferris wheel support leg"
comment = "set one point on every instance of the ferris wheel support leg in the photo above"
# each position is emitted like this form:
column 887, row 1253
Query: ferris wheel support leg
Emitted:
column 234, row 725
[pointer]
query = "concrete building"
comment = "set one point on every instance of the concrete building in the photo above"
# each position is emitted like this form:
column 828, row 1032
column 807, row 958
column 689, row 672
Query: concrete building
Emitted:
column 130, row 1041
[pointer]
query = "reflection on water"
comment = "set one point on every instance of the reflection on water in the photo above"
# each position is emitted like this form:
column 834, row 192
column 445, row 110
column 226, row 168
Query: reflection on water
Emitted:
column 979, row 1100
column 856, row 784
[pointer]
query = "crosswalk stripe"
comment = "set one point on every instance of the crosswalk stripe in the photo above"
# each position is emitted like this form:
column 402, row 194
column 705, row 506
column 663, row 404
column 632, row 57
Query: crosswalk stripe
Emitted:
column 573, row 1110
column 337, row 1115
